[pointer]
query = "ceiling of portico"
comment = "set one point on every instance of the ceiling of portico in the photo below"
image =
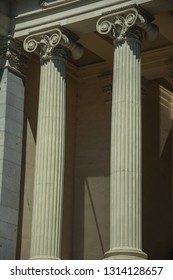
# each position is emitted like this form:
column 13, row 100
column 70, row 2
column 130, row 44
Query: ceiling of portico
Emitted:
column 157, row 6
column 99, row 48
column 18, row 6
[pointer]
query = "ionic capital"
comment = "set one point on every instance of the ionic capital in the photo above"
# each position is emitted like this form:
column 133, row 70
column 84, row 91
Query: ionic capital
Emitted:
column 125, row 24
column 46, row 43
column 12, row 55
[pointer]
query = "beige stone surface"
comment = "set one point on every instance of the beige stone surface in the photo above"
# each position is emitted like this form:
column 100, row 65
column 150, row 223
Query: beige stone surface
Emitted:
column 157, row 170
column 32, row 84
column 28, row 161
column 68, row 199
column 49, row 161
column 86, row 203
column 91, row 216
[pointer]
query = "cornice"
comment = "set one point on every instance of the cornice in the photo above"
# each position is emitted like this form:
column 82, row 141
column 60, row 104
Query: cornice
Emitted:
column 75, row 13
column 83, row 5
column 56, row 3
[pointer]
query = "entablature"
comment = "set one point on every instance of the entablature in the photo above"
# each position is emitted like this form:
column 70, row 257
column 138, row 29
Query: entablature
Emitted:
column 69, row 14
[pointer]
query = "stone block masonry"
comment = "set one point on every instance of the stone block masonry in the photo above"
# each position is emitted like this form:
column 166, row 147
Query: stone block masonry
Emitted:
column 11, row 129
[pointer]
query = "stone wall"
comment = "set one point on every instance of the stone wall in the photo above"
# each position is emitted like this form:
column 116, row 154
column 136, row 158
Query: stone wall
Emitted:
column 91, row 224
column 156, row 174
column 11, row 131
column 28, row 159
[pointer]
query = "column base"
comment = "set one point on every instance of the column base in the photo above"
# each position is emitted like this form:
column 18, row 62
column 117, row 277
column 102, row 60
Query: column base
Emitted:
column 44, row 258
column 125, row 254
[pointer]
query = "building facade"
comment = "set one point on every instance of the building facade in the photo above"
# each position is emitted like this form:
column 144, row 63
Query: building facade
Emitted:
column 86, row 109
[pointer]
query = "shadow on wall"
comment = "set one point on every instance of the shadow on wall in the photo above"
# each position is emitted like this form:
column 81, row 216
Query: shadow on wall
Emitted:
column 68, row 196
column 86, row 236
column 91, row 213
column 91, row 226
column 156, row 196
column 28, row 158
column 91, row 216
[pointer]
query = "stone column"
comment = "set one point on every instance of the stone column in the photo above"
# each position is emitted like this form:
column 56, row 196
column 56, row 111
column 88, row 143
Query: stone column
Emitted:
column 127, row 28
column 50, row 144
column 12, row 65
column 49, row 165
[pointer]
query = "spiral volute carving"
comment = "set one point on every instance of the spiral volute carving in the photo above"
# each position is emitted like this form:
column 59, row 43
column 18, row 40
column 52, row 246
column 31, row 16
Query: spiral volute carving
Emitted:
column 122, row 24
column 104, row 27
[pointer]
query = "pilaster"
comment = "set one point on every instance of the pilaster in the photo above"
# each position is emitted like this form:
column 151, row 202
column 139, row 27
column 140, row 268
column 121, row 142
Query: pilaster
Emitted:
column 11, row 130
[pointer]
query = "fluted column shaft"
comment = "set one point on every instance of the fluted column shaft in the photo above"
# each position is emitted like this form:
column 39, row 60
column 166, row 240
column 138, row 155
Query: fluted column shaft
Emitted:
column 49, row 169
column 125, row 174
column 52, row 46
column 128, row 28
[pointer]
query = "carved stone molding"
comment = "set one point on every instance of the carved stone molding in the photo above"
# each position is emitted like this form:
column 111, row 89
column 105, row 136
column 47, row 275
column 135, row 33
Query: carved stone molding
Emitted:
column 12, row 54
column 46, row 43
column 127, row 24
column 55, row 3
